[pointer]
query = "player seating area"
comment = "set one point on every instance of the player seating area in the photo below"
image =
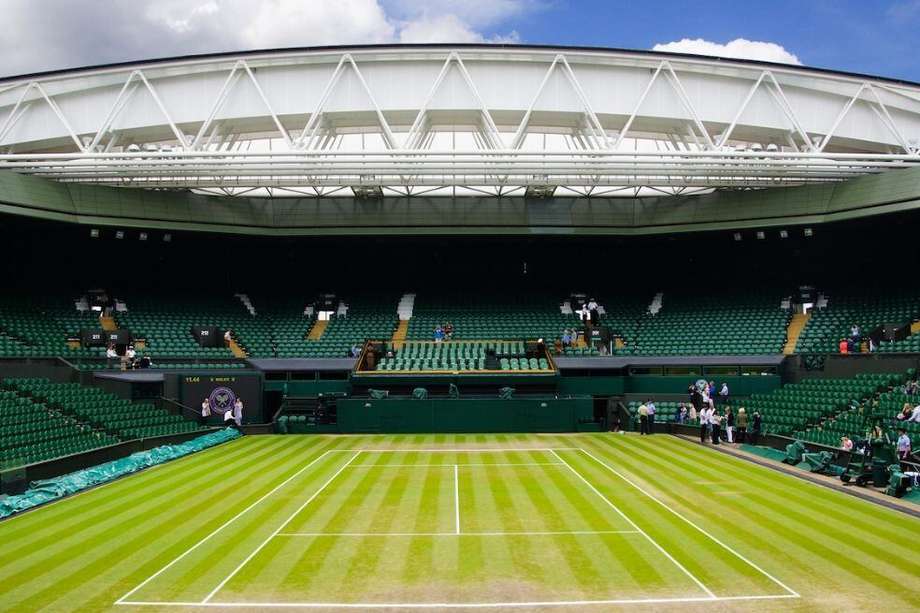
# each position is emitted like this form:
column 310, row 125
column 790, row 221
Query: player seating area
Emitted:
column 461, row 356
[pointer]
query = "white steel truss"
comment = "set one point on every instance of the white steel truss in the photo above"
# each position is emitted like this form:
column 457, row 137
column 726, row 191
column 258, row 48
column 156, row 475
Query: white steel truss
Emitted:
column 612, row 123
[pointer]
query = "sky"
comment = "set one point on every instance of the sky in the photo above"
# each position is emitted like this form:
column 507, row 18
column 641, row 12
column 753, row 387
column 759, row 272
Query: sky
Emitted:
column 867, row 36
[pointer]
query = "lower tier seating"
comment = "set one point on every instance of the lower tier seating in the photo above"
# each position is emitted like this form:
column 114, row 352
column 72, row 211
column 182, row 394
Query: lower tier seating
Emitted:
column 101, row 410
column 31, row 432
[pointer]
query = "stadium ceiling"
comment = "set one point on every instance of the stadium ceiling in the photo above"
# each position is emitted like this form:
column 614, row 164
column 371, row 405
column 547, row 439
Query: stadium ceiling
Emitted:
column 452, row 120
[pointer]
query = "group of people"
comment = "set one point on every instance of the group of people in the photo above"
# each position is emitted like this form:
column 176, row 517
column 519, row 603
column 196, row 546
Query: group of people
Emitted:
column 853, row 343
column 729, row 427
column 232, row 417
column 129, row 360
column 444, row 332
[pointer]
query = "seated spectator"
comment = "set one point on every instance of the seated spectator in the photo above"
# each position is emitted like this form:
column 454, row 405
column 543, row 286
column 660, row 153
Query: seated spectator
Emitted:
column 448, row 331
column 845, row 443
column 854, row 333
column 566, row 338
column 228, row 336
column 909, row 414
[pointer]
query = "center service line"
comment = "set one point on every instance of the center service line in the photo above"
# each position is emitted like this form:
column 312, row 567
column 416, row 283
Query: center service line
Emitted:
column 279, row 529
column 457, row 496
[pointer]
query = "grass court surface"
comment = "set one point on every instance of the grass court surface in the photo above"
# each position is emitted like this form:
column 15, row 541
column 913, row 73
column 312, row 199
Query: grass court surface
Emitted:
column 510, row 522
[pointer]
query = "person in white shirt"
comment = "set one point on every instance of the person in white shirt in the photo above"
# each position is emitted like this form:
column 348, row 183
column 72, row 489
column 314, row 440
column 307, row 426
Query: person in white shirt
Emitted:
column 723, row 393
column 228, row 336
column 228, row 416
column 704, row 423
column 238, row 411
column 205, row 411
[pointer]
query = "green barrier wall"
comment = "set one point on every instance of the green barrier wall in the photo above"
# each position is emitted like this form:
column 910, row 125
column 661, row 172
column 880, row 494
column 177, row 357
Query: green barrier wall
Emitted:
column 405, row 415
column 737, row 385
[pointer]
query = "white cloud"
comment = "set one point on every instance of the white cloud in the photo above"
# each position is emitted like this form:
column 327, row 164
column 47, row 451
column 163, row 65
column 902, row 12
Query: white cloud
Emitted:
column 446, row 29
column 50, row 34
column 740, row 48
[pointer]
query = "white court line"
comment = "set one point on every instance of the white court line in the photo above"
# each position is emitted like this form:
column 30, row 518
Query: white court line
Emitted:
column 225, row 524
column 726, row 547
column 467, row 450
column 634, row 525
column 457, row 496
column 523, row 533
column 460, row 464
column 455, row 605
column 279, row 529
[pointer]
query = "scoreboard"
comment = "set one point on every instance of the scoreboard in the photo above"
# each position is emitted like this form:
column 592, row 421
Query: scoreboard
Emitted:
column 221, row 391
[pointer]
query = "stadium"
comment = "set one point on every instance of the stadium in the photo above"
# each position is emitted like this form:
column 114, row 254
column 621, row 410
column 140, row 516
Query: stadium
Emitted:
column 459, row 327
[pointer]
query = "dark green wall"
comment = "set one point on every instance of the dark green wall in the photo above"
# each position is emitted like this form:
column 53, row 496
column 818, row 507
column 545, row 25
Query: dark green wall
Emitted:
column 737, row 385
column 405, row 415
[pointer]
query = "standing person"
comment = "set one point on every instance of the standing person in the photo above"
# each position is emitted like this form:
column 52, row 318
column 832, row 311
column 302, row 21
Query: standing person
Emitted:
column 110, row 354
column 742, row 423
column 723, row 394
column 652, row 409
column 729, row 425
column 205, row 411
column 643, row 419
column 438, row 334
column 238, row 411
column 716, row 421
column 704, row 424
column 682, row 415
column 843, row 346
column 756, row 425
column 228, row 336
column 903, row 445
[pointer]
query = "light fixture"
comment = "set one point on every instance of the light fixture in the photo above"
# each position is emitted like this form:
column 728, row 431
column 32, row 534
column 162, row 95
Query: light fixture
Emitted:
column 783, row 234
column 119, row 234
column 761, row 235
column 94, row 233
column 142, row 236
column 737, row 236
column 809, row 232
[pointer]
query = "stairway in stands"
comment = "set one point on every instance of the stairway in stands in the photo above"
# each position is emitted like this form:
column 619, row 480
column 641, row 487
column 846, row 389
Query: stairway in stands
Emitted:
column 796, row 325
column 316, row 332
column 236, row 349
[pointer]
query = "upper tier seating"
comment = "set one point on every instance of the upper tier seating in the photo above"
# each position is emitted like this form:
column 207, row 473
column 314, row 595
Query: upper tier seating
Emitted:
column 38, row 326
column 167, row 323
column 723, row 324
column 513, row 318
column 367, row 319
column 828, row 325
